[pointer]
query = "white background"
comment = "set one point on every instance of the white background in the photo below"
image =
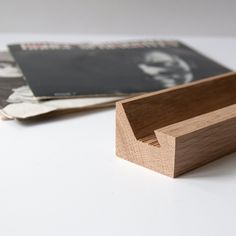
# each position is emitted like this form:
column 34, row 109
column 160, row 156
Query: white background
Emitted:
column 143, row 17
column 61, row 177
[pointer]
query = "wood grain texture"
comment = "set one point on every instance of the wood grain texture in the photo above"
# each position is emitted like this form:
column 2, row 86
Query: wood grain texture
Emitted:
column 175, row 130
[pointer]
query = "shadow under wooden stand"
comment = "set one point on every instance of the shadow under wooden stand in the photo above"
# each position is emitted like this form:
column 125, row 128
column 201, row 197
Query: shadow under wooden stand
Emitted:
column 176, row 130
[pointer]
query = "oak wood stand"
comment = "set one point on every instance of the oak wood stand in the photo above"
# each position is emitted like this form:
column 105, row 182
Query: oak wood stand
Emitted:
column 176, row 130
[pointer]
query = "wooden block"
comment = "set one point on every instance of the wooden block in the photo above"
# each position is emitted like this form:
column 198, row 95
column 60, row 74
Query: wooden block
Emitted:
column 176, row 130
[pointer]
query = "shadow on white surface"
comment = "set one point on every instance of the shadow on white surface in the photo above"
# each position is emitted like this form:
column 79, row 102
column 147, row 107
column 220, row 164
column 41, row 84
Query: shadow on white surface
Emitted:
column 224, row 167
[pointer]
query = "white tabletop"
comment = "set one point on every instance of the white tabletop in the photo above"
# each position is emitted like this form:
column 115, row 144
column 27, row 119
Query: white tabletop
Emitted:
column 61, row 176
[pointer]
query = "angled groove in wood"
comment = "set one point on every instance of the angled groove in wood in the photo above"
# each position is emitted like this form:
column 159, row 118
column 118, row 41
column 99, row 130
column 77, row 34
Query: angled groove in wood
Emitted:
column 151, row 140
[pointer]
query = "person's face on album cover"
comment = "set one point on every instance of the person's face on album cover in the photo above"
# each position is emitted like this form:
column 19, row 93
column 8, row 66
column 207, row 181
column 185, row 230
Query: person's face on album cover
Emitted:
column 169, row 70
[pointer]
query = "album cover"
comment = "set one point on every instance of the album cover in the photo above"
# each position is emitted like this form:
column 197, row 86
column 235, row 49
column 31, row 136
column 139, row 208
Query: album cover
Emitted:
column 18, row 102
column 111, row 69
column 10, row 78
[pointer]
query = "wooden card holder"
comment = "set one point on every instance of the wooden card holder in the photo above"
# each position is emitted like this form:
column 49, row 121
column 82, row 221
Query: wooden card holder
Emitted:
column 176, row 130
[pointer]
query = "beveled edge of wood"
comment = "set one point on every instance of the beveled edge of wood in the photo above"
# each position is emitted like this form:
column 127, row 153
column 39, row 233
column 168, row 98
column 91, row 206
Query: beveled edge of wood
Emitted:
column 200, row 122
